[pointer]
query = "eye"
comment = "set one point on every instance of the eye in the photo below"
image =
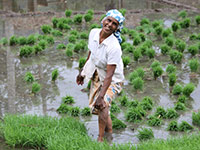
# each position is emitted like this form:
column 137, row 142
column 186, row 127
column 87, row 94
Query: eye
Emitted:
column 109, row 20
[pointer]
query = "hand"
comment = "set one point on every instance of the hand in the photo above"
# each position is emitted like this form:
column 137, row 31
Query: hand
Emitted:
column 100, row 103
column 80, row 79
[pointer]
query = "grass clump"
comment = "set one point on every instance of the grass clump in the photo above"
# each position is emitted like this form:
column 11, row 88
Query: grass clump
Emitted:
column 180, row 45
column 158, row 30
column 175, row 26
column 188, row 89
column 22, row 40
column 182, row 99
column 123, row 100
column 157, row 72
column 13, row 40
column 118, row 124
column 4, row 41
column 180, row 106
column 85, row 111
column 81, row 62
column 36, row 87
column 196, row 119
column 171, row 113
column 54, row 22
column 193, row 49
column 64, row 109
column 166, row 32
column 136, row 40
column 26, row 51
column 197, row 19
column 145, row 134
column 133, row 103
column 144, row 21
column 31, row 39
column 146, row 103
column 46, row 29
column 83, row 35
column 54, row 74
column 194, row 65
column 165, row 49
column 185, row 23
column 29, row 77
column 68, row 100
column 173, row 126
column 138, row 83
column 56, row 33
column 114, row 108
column 169, row 41
column 61, row 46
column 126, row 60
column 42, row 44
column 184, row 126
column 154, row 121
column 171, row 69
column 78, row 18
column 72, row 38
column 136, row 54
column 182, row 14
column 69, row 52
column 134, row 115
column 122, row 11
column 177, row 89
column 88, row 17
column 151, row 53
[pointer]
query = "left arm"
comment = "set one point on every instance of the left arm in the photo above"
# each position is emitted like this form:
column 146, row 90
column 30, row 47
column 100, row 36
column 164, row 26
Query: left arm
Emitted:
column 100, row 104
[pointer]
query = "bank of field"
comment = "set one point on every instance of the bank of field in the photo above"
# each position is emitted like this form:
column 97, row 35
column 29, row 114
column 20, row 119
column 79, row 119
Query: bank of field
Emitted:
column 70, row 134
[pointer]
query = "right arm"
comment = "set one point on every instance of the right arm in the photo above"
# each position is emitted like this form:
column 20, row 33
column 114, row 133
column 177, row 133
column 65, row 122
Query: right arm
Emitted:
column 80, row 78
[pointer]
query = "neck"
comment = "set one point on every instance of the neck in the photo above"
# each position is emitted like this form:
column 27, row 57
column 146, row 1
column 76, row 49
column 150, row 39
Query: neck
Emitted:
column 103, row 36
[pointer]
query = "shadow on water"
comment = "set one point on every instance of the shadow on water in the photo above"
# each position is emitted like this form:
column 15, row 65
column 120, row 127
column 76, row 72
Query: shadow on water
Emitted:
column 16, row 97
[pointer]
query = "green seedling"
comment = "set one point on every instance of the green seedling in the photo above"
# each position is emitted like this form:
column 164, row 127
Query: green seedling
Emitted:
column 176, row 56
column 85, row 111
column 90, row 11
column 180, row 45
column 188, row 89
column 68, row 100
column 123, row 100
column 123, row 39
column 144, row 21
column 13, row 40
column 180, row 106
column 50, row 40
column 94, row 25
column 185, row 23
column 118, row 124
column 129, row 48
column 66, row 27
column 46, row 29
column 126, row 61
column 60, row 25
column 142, row 36
column 159, row 30
column 75, row 111
column 184, row 126
column 134, row 115
column 36, row 87
column 166, row 32
column 148, row 43
column 145, row 134
column 177, row 89
column 61, row 46
column 114, row 108
column 175, row 26
column 136, row 54
column 22, row 40
column 122, row 11
column 194, row 65
column 88, row 17
column 146, row 103
column 196, row 119
column 56, row 33
column 193, row 37
column 64, row 109
column 157, row 23
column 171, row 113
column 54, row 21
column 154, row 121
column 155, row 64
column 26, row 51
column 169, row 41
column 193, row 49
column 182, row 14
column 78, row 18
column 172, row 79
column 160, row 112
column 124, row 30
column 138, row 83
column 29, row 77
column 54, row 74
column 157, row 72
column 165, row 49
column 173, row 126
column 81, row 62
column 143, row 48
column 72, row 38
column 84, row 35
column 42, row 44
column 151, row 53
column 69, row 52
column 4, row 41
column 68, row 12
column 171, row 69
column 31, row 39
column 182, row 99
column 197, row 19
column 133, row 103
column 136, row 40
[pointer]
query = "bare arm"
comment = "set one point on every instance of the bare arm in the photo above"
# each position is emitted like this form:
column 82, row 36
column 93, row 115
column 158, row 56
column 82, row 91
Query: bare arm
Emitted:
column 100, row 104
column 79, row 78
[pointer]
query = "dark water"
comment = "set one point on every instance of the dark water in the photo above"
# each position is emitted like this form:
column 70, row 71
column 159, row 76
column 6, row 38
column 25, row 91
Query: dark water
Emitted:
column 15, row 94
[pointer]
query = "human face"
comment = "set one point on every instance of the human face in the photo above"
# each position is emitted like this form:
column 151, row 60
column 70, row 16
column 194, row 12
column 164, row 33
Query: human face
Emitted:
column 110, row 25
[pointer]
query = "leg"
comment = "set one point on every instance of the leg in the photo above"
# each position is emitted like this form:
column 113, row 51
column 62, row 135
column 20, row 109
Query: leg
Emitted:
column 109, row 125
column 103, row 119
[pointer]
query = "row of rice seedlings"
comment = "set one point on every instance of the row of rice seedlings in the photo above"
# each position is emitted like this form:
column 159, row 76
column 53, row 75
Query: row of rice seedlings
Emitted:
column 170, row 113
column 186, row 90
column 183, row 126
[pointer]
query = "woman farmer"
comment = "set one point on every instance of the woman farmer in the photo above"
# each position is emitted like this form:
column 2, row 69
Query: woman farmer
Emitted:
column 104, row 67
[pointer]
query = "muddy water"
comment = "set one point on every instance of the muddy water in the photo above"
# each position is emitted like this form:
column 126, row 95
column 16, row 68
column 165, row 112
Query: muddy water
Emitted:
column 16, row 95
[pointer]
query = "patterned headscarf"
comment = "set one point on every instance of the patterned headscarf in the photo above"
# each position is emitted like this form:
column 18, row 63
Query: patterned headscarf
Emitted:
column 120, row 18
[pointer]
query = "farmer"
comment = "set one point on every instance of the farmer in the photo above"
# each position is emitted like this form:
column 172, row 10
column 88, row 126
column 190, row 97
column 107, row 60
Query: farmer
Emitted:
column 104, row 67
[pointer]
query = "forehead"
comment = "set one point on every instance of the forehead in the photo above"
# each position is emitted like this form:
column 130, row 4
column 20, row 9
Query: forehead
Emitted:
column 113, row 19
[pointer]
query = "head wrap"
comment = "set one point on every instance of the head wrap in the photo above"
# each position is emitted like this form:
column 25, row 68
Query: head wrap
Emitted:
column 120, row 18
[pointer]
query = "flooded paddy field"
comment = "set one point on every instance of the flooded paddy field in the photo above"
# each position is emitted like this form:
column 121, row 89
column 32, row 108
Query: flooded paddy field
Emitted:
column 16, row 96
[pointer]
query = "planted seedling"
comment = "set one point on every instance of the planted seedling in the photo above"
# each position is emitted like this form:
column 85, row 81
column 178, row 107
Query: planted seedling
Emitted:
column 175, row 26
column 22, row 40
column 124, row 101
column 36, row 87
column 166, row 32
column 136, row 40
column 140, row 72
column 188, row 89
column 193, row 37
column 68, row 12
column 134, row 115
column 75, row 111
column 151, row 53
column 94, row 25
column 54, row 21
column 54, row 74
column 133, row 103
column 184, row 126
column 176, row 56
column 122, row 11
column 142, row 37
column 148, row 43
column 81, row 62
column 145, row 134
column 169, row 41
column 13, row 40
column 172, row 79
column 182, row 14
column 26, row 51
column 182, row 99
column 72, row 38
column 88, row 17
column 154, row 121
column 173, row 126
column 114, row 108
column 124, row 30
column 63, row 108
column 46, row 29
column 50, row 40
column 171, row 113
column 138, row 83
column 56, row 33
column 137, row 54
column 133, row 75
column 146, row 103
column 126, row 60
column 78, row 18
column 83, row 35
column 159, row 30
column 155, row 64
column 165, row 49
column 42, row 44
column 69, row 52
column 85, row 111
column 157, row 72
column 118, row 124
column 31, row 39
column 171, row 69
column 177, row 89
column 180, row 106
column 185, row 23
column 4, row 41
column 180, row 45
column 196, row 118
column 194, row 65
column 68, row 100
column 144, row 21
column 160, row 112
column 29, row 77
column 197, row 19
column 193, row 49
column 157, row 23
column 61, row 46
